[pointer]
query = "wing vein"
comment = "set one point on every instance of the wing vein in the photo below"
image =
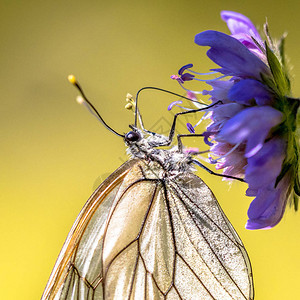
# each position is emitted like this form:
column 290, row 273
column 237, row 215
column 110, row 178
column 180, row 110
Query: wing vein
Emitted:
column 203, row 235
column 134, row 183
column 198, row 253
column 109, row 219
column 172, row 230
column 210, row 219
column 133, row 275
column 197, row 277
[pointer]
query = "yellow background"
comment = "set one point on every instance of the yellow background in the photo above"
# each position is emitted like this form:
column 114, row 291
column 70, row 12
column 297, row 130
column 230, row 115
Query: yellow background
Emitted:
column 53, row 152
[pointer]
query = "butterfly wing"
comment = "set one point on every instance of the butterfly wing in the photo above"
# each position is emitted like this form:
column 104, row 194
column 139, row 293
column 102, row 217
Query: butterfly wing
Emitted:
column 212, row 262
column 79, row 243
column 151, row 238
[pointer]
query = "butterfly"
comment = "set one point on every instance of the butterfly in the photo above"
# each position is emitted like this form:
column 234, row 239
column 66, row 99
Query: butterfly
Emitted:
column 151, row 230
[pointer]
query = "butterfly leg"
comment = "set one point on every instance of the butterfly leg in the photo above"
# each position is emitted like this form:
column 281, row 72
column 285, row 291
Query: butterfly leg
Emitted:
column 172, row 130
column 180, row 136
column 198, row 163
column 180, row 145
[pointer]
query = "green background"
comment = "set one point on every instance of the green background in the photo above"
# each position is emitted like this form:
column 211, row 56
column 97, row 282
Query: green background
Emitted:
column 53, row 153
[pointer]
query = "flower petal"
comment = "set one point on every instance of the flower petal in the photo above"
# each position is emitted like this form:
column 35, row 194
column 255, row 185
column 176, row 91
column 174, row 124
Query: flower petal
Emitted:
column 226, row 111
column 247, row 40
column 251, row 192
column 238, row 23
column 252, row 125
column 220, row 89
column 246, row 90
column 233, row 162
column 234, row 58
column 264, row 167
column 267, row 209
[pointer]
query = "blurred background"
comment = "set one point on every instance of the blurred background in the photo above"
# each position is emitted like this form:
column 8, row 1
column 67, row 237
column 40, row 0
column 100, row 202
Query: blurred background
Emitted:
column 54, row 153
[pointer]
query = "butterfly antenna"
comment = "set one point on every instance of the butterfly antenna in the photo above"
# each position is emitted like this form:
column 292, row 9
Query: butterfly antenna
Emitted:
column 84, row 100
column 161, row 90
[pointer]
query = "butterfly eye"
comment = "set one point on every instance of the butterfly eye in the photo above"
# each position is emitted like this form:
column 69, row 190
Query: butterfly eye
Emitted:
column 132, row 136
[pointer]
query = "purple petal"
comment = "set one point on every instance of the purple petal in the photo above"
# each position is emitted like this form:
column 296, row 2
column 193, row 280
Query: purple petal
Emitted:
column 234, row 58
column 251, row 45
column 264, row 200
column 246, row 90
column 220, row 149
column 214, row 127
column 226, row 111
column 220, row 89
column 251, row 125
column 244, row 31
column 264, row 167
column 234, row 164
column 238, row 23
column 267, row 209
column 251, row 192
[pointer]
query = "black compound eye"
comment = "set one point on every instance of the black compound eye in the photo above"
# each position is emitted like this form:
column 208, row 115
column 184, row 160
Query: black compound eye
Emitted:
column 132, row 136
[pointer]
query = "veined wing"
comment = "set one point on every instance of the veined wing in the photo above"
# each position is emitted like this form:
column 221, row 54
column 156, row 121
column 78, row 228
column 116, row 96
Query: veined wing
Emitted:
column 212, row 261
column 158, row 239
column 83, row 231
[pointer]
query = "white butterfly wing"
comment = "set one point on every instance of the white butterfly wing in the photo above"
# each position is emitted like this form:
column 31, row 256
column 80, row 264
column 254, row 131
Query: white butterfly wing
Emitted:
column 212, row 259
column 85, row 237
column 151, row 239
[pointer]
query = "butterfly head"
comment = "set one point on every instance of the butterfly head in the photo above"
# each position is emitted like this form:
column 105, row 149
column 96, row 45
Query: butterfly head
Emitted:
column 132, row 137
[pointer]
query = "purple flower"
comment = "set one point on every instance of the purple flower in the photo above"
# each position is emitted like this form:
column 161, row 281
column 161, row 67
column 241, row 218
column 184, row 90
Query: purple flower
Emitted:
column 242, row 29
column 254, row 128
column 220, row 90
column 246, row 90
column 268, row 207
column 239, row 24
column 235, row 161
column 250, row 126
column 233, row 57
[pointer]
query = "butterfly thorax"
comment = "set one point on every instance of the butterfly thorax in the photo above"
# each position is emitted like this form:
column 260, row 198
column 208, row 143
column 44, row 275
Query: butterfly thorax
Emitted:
column 171, row 161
